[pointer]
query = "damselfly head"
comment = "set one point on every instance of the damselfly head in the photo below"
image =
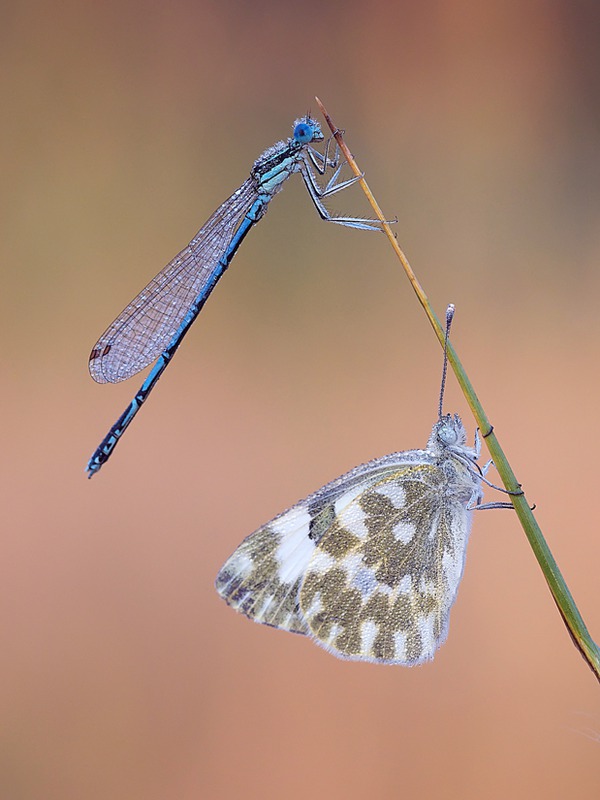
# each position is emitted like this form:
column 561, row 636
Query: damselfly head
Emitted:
column 307, row 130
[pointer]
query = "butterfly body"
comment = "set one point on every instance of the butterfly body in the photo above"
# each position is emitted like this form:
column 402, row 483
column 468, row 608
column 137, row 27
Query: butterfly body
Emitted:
column 369, row 565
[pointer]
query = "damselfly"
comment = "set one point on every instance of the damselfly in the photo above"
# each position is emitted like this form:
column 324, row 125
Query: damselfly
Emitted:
column 153, row 325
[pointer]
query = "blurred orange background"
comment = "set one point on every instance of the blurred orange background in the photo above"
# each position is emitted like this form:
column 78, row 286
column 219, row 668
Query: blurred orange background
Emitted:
column 124, row 126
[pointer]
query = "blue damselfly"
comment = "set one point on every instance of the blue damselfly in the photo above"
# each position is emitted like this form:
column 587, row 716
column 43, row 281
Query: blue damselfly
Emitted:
column 153, row 325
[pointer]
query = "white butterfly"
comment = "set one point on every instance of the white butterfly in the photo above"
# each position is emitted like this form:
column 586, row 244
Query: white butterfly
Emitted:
column 369, row 565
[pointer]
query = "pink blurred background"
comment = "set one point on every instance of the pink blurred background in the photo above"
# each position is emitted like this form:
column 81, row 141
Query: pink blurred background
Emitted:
column 124, row 125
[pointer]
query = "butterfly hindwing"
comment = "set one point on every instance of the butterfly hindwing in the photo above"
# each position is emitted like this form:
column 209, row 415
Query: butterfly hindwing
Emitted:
column 369, row 565
column 381, row 582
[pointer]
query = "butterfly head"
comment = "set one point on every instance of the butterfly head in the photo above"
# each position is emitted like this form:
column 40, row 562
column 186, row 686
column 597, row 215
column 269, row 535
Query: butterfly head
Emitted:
column 450, row 431
column 449, row 436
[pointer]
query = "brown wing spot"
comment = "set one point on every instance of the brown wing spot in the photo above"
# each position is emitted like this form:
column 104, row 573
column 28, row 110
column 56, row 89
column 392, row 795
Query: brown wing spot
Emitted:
column 100, row 353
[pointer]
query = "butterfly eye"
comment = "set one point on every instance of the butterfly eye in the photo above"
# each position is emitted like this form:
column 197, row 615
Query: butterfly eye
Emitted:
column 447, row 433
column 303, row 133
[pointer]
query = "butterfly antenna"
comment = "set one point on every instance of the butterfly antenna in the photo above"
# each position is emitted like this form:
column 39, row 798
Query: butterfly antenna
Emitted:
column 449, row 318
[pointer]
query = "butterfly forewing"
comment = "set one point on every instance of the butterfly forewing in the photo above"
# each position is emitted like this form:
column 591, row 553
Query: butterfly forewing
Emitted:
column 262, row 578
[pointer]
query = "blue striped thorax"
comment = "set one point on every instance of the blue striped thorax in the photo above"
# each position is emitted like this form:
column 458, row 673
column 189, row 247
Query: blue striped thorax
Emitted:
column 278, row 162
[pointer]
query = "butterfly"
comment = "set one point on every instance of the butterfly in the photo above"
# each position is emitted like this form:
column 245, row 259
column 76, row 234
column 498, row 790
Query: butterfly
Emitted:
column 369, row 565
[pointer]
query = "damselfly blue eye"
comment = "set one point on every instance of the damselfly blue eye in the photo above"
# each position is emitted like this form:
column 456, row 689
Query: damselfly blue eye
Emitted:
column 303, row 133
